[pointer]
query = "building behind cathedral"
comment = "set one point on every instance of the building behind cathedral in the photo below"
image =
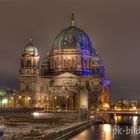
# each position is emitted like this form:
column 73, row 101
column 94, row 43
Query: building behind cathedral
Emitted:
column 72, row 76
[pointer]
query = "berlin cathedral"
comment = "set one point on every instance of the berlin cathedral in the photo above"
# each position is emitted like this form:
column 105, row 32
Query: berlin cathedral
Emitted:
column 72, row 76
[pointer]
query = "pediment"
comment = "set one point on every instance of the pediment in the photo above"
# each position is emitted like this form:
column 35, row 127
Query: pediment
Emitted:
column 66, row 75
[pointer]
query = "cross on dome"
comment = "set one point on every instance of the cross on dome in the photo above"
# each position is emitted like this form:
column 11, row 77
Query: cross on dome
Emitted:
column 73, row 22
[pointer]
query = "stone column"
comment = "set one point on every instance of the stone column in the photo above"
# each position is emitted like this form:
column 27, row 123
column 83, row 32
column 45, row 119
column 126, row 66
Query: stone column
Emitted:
column 71, row 103
column 67, row 103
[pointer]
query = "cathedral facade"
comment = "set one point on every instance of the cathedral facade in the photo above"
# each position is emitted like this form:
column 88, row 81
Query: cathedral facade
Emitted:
column 72, row 76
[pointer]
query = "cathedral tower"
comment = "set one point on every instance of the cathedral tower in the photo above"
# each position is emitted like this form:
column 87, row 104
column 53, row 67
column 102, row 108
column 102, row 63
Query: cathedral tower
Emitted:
column 28, row 75
column 30, row 60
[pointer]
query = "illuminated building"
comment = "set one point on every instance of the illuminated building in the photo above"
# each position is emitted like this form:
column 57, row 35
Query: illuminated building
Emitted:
column 72, row 75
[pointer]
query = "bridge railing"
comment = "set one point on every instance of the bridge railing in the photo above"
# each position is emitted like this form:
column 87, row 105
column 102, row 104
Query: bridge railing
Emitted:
column 118, row 112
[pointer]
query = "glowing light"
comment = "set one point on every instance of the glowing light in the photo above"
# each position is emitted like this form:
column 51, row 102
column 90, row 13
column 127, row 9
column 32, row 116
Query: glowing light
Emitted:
column 86, row 72
column 91, row 116
column 135, row 119
column 119, row 118
column 2, row 93
column 134, row 108
column 115, row 117
column 106, row 128
column 11, row 98
column 106, row 82
column 107, row 132
column 118, row 109
column 106, row 106
column 29, row 98
column 55, row 97
column 36, row 114
column 4, row 101
column 19, row 97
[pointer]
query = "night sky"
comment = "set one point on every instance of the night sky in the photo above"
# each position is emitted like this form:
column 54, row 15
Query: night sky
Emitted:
column 112, row 25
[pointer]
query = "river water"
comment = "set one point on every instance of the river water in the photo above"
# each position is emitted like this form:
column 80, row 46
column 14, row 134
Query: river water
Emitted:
column 111, row 131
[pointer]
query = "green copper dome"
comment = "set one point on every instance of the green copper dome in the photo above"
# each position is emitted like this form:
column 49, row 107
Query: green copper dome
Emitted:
column 97, row 59
column 46, row 60
column 30, row 48
column 72, row 37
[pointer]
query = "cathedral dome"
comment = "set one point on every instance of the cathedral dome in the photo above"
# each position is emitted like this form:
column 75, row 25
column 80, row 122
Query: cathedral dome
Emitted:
column 72, row 37
column 30, row 48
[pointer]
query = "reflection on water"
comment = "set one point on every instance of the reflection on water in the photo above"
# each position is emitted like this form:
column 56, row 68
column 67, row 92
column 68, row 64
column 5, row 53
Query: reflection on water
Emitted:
column 118, row 119
column 135, row 120
column 112, row 131
column 106, row 132
column 96, row 132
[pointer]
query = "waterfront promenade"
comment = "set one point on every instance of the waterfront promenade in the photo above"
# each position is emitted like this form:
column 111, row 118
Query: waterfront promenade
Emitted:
column 22, row 126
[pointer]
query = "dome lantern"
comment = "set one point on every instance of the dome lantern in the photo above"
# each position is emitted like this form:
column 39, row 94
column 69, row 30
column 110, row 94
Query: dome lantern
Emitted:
column 30, row 48
column 73, row 22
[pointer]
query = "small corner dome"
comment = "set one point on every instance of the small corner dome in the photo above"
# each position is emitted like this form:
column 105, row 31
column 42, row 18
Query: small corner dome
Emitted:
column 46, row 60
column 97, row 58
column 30, row 48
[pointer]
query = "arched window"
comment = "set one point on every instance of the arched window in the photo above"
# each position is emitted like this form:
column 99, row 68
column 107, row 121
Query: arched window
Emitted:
column 82, row 63
column 55, row 64
column 87, row 64
column 34, row 63
column 28, row 63
column 27, row 88
column 52, row 63
column 64, row 63
column 73, row 63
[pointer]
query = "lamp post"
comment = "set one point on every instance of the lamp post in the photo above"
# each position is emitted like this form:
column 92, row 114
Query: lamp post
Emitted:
column 11, row 102
column 20, row 101
column 28, row 101
column 67, row 103
column 2, row 94
column 54, row 102
column 47, row 101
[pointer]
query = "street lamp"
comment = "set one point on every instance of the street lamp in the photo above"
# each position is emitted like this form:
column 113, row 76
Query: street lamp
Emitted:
column 4, row 102
column 54, row 102
column 67, row 103
column 28, row 101
column 11, row 98
column 11, row 102
column 134, row 108
column 20, row 97
column 2, row 94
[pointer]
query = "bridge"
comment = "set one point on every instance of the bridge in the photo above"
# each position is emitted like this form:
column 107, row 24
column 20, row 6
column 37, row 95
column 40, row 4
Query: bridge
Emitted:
column 108, row 115
column 123, row 112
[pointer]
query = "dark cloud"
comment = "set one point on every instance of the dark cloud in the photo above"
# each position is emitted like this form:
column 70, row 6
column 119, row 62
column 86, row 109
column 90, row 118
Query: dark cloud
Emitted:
column 113, row 26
